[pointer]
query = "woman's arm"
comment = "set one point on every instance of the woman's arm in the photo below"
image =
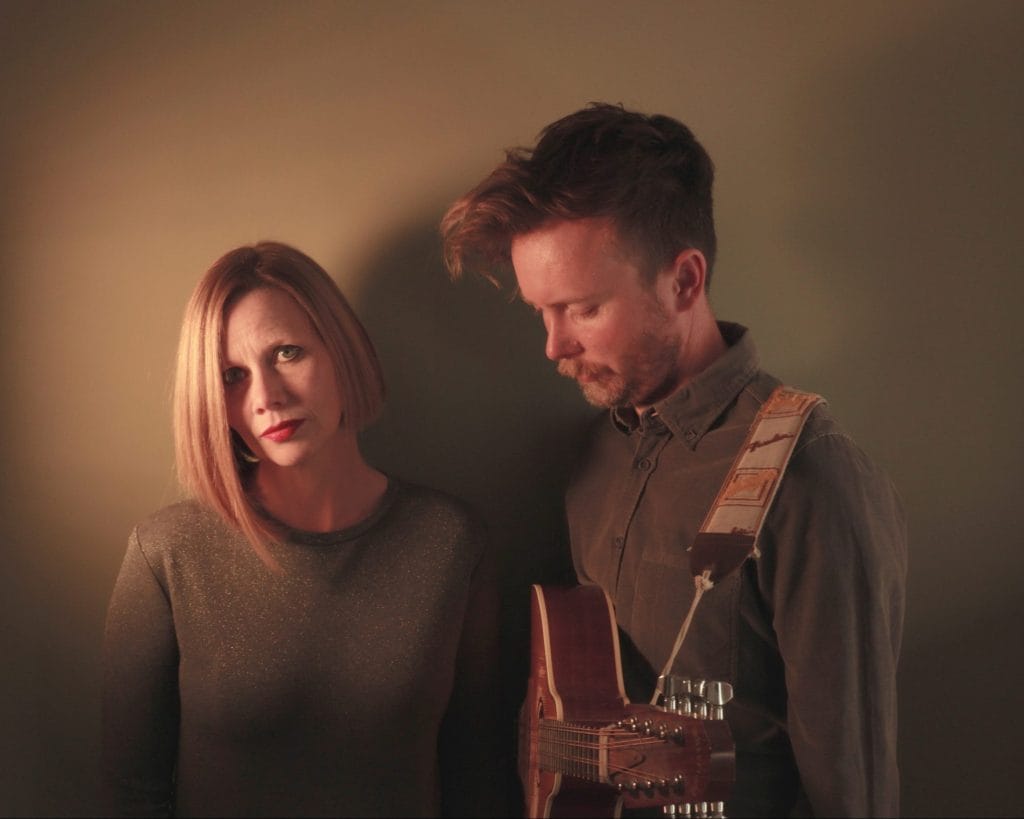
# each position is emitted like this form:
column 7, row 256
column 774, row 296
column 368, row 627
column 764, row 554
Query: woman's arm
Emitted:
column 475, row 748
column 140, row 693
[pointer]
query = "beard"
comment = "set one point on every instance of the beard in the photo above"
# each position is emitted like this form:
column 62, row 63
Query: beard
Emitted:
column 647, row 372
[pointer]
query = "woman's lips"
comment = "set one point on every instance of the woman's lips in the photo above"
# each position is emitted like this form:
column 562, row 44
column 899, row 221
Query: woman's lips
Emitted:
column 283, row 431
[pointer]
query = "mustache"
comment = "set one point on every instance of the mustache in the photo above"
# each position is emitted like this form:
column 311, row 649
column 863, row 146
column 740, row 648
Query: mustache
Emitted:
column 571, row 368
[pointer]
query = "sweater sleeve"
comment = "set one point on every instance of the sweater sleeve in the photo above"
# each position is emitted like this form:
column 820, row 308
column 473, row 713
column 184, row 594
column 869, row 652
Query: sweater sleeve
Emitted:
column 140, row 707
column 834, row 577
column 475, row 751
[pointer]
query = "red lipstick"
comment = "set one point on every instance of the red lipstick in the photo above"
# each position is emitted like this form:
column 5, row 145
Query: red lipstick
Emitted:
column 283, row 431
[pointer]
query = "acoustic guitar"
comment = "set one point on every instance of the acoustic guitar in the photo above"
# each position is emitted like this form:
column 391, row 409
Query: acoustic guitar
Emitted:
column 585, row 749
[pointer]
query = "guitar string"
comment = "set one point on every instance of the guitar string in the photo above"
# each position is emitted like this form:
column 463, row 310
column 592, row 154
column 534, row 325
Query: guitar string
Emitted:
column 575, row 765
column 622, row 740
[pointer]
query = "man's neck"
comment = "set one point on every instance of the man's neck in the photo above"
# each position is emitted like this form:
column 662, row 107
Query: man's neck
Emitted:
column 702, row 345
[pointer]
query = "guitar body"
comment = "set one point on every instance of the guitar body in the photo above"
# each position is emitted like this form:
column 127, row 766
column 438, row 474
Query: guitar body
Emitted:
column 576, row 625
column 576, row 755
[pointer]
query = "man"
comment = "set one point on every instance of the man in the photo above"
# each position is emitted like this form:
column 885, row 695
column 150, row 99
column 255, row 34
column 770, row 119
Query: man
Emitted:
column 608, row 226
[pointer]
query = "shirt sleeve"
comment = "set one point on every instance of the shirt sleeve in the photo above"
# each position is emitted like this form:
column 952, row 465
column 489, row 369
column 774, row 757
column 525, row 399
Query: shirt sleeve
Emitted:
column 140, row 707
column 833, row 574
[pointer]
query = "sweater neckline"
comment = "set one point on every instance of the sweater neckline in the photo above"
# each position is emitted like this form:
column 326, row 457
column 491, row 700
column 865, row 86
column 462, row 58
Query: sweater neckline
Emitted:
column 333, row 538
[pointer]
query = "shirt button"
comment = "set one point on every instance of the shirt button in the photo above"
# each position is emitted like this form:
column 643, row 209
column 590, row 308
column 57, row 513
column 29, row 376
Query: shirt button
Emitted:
column 618, row 542
column 644, row 464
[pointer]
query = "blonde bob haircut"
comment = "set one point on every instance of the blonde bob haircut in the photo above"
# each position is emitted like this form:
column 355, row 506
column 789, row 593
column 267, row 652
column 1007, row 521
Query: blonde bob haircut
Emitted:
column 212, row 462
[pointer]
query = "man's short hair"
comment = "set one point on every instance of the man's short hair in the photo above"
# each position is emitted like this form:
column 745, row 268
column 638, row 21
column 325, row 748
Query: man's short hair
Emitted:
column 647, row 173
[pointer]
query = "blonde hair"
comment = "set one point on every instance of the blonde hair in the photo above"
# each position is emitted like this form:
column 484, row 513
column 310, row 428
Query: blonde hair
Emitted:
column 211, row 459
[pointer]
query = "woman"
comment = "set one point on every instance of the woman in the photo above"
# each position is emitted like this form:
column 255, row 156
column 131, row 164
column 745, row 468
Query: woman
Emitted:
column 305, row 635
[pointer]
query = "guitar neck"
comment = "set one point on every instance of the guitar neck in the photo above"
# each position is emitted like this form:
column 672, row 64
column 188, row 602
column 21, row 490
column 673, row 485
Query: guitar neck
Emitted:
column 651, row 752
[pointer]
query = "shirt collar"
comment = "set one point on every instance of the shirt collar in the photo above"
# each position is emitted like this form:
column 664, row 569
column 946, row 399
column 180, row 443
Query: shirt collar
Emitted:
column 690, row 411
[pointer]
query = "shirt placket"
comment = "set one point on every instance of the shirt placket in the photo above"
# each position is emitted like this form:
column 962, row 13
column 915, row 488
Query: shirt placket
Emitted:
column 649, row 445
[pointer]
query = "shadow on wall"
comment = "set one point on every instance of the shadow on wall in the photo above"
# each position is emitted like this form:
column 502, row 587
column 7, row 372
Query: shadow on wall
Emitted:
column 474, row 408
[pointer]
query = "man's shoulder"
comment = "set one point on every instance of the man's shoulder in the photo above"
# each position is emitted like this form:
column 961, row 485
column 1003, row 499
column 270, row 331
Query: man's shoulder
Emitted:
column 825, row 446
column 821, row 421
column 829, row 465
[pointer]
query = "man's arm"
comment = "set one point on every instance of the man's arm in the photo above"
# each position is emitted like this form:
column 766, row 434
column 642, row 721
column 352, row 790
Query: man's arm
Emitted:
column 834, row 574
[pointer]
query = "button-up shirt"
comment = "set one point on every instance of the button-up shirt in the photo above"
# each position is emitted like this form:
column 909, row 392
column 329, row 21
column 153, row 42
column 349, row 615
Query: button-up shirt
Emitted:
column 808, row 634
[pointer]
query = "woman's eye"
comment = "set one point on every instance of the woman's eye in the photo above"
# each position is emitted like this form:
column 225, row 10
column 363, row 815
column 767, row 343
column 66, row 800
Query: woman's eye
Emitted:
column 288, row 352
column 232, row 375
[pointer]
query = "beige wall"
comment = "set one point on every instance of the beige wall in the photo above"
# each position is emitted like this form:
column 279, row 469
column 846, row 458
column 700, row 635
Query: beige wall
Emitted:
column 869, row 190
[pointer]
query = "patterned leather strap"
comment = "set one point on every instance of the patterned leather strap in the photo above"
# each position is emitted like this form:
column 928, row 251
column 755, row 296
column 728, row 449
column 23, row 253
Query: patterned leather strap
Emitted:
column 729, row 532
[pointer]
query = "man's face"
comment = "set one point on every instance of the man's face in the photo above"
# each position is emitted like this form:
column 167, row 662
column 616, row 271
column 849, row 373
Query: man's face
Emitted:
column 617, row 335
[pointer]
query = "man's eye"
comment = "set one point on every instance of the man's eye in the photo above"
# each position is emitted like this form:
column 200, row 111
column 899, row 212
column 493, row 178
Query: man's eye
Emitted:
column 584, row 313
column 232, row 375
column 288, row 352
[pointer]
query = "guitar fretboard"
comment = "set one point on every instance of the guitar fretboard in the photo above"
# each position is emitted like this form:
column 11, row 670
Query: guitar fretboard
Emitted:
column 571, row 749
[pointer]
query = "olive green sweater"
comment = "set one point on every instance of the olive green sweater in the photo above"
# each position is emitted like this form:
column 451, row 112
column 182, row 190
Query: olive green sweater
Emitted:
column 358, row 683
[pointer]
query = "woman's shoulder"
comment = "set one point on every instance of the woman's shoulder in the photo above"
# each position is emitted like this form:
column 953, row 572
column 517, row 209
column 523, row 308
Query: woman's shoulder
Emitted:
column 431, row 500
column 177, row 526
column 436, row 513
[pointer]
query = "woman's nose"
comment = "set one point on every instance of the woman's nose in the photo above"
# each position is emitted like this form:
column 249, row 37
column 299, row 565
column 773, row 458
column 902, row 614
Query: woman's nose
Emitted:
column 268, row 391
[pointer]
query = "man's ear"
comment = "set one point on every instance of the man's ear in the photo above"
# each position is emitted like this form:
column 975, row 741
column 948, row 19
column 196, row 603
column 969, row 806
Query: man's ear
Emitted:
column 689, row 275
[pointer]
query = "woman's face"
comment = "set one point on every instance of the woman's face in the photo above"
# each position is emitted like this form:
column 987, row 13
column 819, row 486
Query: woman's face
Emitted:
column 280, row 386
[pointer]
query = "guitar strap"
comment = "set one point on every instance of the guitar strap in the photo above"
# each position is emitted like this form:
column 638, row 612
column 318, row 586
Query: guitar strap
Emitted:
column 729, row 533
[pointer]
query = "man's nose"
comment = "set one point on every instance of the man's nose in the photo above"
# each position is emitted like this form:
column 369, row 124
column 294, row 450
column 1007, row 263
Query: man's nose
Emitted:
column 561, row 341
